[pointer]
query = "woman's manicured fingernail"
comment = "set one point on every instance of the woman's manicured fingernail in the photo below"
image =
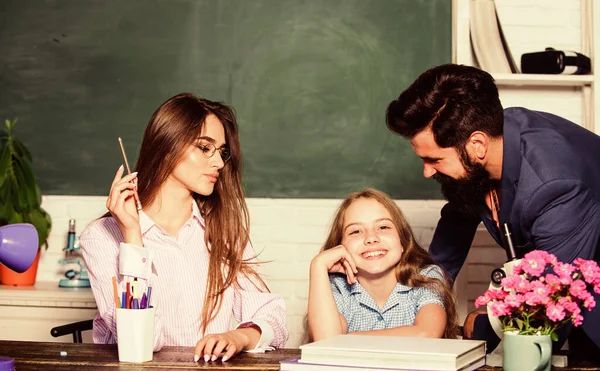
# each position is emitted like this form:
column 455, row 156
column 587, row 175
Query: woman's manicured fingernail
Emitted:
column 120, row 167
column 134, row 174
column 224, row 359
column 206, row 358
column 196, row 357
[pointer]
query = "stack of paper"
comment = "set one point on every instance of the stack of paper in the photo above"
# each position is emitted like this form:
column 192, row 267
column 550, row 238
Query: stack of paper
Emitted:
column 363, row 352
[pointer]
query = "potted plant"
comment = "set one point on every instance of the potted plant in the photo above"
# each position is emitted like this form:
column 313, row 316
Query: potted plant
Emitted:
column 20, row 199
column 539, row 297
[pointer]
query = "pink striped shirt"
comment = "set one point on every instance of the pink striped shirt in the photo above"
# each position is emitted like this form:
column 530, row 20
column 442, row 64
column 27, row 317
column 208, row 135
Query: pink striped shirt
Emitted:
column 177, row 269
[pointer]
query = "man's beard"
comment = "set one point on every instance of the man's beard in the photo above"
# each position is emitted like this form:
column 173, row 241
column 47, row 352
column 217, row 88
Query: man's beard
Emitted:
column 468, row 193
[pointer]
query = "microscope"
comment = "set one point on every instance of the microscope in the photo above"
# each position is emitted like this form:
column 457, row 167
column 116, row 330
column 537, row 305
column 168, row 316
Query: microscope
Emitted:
column 75, row 277
column 513, row 258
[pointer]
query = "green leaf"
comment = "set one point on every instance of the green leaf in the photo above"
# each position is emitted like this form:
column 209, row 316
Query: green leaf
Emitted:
column 21, row 150
column 25, row 202
column 18, row 197
column 21, row 188
column 38, row 195
column 39, row 218
column 15, row 218
column 27, row 182
column 554, row 336
column 11, row 124
column 4, row 164
column 13, row 194
column 6, row 211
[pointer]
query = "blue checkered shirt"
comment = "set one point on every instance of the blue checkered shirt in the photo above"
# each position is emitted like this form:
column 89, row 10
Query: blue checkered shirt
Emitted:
column 362, row 312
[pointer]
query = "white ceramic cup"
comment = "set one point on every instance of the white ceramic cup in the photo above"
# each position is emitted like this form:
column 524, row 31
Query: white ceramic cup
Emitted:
column 135, row 334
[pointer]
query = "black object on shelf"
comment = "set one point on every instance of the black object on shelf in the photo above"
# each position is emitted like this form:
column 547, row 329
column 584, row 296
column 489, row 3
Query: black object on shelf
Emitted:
column 552, row 61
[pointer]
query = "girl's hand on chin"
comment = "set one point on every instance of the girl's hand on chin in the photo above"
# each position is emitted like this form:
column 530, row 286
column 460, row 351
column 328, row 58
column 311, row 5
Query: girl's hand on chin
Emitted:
column 336, row 260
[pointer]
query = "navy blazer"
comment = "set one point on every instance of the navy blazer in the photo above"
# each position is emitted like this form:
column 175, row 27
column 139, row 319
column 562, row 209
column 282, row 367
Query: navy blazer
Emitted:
column 550, row 194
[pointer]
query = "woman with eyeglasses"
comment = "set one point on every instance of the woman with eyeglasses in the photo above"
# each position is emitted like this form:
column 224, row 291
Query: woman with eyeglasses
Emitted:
column 189, row 242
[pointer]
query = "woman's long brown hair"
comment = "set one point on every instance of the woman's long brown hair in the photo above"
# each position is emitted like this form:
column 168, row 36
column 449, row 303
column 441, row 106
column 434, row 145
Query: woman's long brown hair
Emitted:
column 414, row 258
column 174, row 126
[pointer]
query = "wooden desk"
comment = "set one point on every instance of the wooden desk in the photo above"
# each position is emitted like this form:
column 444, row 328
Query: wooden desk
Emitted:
column 38, row 356
column 34, row 356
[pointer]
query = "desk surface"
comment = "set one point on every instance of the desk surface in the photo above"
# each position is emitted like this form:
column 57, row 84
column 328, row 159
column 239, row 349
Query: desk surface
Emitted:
column 31, row 356
column 37, row 356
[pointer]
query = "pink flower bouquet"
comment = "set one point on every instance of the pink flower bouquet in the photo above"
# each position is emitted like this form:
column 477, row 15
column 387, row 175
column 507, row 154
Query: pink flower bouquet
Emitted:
column 542, row 294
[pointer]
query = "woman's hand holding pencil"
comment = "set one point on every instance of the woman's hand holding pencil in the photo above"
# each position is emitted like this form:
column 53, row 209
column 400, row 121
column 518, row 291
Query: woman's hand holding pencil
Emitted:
column 122, row 205
column 134, row 181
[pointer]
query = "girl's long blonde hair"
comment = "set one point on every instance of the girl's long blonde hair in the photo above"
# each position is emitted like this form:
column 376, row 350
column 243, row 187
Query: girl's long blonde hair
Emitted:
column 173, row 127
column 414, row 258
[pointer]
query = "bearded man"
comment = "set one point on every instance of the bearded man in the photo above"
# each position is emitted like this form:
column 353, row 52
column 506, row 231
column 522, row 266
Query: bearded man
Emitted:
column 537, row 171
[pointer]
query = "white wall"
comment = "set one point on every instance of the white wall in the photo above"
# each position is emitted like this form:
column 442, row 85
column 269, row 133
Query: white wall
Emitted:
column 290, row 231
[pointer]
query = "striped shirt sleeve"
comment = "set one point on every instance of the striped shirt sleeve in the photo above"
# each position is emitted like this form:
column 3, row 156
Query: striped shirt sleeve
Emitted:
column 252, row 303
column 100, row 244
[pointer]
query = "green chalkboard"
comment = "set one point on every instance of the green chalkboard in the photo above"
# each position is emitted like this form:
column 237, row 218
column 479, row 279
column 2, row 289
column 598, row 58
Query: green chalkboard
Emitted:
column 309, row 79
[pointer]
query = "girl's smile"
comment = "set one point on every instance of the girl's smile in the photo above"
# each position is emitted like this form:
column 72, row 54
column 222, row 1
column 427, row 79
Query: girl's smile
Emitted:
column 374, row 254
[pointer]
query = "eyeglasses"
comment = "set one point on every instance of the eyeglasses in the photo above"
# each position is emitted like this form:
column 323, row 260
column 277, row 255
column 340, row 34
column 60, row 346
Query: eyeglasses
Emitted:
column 209, row 149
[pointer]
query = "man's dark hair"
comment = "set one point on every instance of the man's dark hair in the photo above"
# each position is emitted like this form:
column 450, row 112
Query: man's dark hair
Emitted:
column 455, row 100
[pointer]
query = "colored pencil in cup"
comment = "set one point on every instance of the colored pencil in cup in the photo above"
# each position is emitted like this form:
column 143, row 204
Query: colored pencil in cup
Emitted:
column 149, row 294
column 116, row 293
column 128, row 296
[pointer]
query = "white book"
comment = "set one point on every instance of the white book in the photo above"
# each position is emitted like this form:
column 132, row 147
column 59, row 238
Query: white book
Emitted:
column 293, row 364
column 393, row 352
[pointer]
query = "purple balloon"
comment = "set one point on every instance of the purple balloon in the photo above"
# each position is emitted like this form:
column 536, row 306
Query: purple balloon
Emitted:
column 18, row 246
